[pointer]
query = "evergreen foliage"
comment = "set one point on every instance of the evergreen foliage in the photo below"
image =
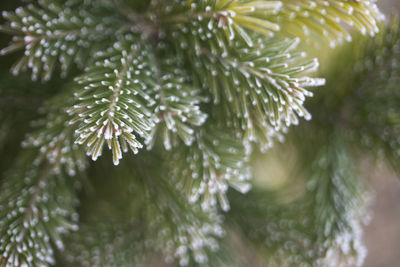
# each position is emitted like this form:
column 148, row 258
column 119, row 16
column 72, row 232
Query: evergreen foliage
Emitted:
column 200, row 84
column 64, row 33
column 209, row 166
column 322, row 225
column 105, row 107
column 40, row 193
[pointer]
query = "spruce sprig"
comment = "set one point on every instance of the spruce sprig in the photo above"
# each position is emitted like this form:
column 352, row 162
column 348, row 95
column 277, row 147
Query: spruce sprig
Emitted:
column 177, row 110
column 328, row 19
column 213, row 163
column 113, row 104
column 41, row 190
column 64, row 33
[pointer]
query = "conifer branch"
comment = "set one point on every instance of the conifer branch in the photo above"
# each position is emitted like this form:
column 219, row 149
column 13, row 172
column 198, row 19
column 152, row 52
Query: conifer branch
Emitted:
column 38, row 217
column 310, row 19
column 184, row 232
column 305, row 19
column 258, row 81
column 263, row 88
column 233, row 17
column 42, row 194
column 50, row 31
column 114, row 99
column 177, row 108
column 340, row 206
column 206, row 169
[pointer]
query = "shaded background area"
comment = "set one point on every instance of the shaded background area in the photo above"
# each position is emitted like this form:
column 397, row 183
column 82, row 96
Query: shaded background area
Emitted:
column 382, row 235
column 390, row 6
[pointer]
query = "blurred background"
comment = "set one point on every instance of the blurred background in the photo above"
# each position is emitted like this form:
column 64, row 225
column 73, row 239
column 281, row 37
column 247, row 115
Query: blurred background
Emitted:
column 382, row 235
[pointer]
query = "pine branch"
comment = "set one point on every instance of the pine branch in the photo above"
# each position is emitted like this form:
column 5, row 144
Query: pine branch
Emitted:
column 212, row 164
column 55, row 138
column 25, row 238
column 181, row 230
column 113, row 100
column 308, row 20
column 41, row 195
column 65, row 32
column 233, row 18
column 256, row 76
column 177, row 108
column 340, row 206
column 264, row 88
column 329, row 19
column 258, row 80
